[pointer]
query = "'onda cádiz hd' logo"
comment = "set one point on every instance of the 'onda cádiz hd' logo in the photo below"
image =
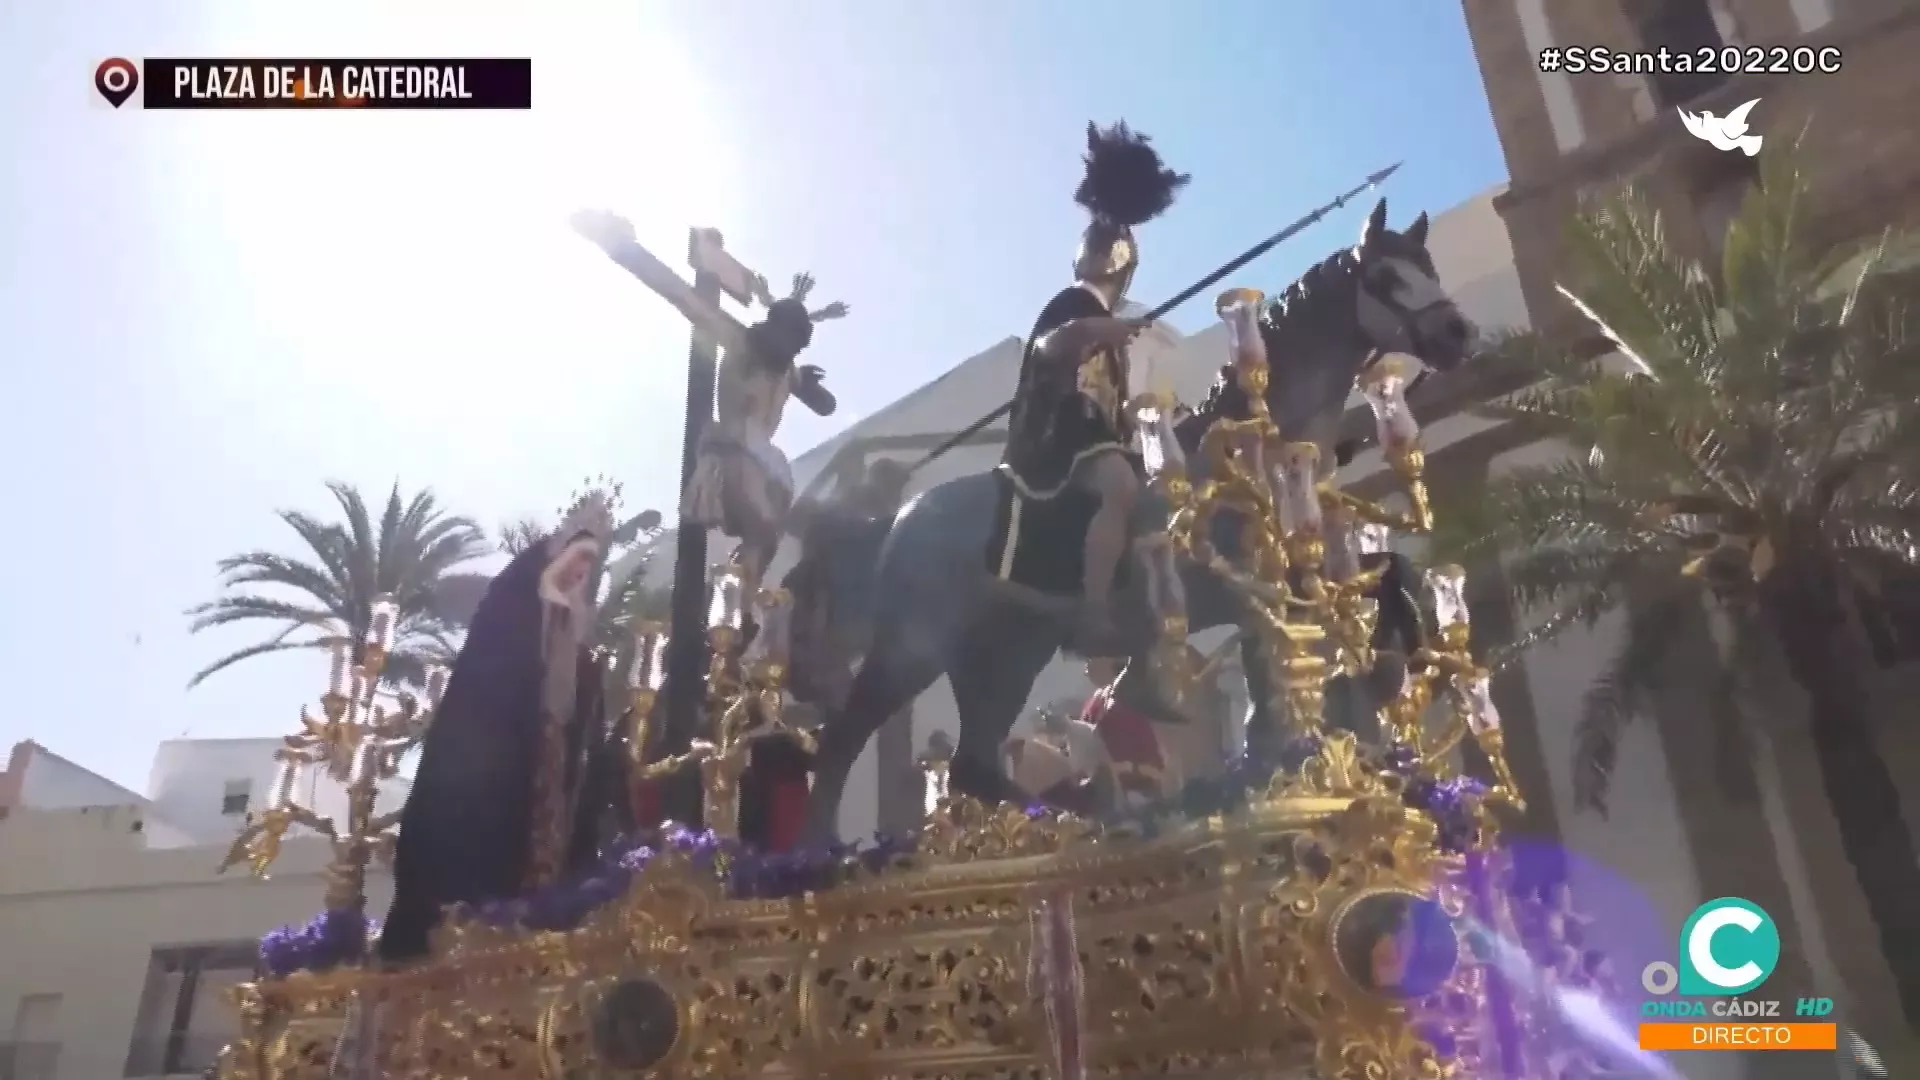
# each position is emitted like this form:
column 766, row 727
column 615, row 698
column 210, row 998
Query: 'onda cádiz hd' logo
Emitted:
column 1728, row 948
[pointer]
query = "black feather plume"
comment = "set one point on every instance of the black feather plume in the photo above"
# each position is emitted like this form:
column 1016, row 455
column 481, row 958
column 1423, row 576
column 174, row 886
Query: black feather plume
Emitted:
column 1126, row 183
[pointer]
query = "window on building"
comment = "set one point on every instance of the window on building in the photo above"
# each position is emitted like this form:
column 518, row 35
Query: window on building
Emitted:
column 33, row 1052
column 1681, row 26
column 234, row 799
column 184, row 1019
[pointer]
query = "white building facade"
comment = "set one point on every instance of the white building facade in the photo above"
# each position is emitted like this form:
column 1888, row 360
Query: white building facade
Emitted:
column 118, row 935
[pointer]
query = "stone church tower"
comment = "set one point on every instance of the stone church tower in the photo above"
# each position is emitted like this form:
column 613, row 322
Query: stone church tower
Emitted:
column 1568, row 134
column 1565, row 133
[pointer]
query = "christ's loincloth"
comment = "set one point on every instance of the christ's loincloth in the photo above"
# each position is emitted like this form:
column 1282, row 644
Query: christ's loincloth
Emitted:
column 739, row 485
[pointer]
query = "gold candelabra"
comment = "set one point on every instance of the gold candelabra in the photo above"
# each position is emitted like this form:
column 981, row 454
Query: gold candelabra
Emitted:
column 356, row 741
column 1305, row 543
column 1447, row 666
column 746, row 693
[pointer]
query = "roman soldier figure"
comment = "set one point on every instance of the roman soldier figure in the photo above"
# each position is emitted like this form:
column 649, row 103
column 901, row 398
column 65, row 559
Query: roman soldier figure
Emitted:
column 742, row 483
column 1070, row 431
column 521, row 778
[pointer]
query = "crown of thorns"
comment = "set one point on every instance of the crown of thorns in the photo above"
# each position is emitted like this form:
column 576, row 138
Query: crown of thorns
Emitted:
column 797, row 294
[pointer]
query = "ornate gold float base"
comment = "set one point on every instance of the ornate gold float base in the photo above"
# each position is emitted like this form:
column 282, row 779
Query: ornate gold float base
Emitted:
column 1215, row 948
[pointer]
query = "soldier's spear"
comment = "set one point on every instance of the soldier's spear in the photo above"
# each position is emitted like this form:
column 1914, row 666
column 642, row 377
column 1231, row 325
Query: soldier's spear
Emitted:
column 1187, row 294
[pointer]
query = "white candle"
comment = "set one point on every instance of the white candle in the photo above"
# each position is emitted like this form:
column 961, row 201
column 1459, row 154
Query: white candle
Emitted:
column 1159, row 446
column 283, row 785
column 1385, row 387
column 776, row 620
column 936, row 790
column 728, row 605
column 1477, row 690
column 1300, row 463
column 1449, row 587
column 436, row 685
column 649, row 657
column 933, row 766
column 1240, row 310
column 337, row 674
column 380, row 622
column 657, row 668
column 1343, row 547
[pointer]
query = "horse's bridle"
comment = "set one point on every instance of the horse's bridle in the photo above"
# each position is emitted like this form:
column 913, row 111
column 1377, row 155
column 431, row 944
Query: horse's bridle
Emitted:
column 1400, row 323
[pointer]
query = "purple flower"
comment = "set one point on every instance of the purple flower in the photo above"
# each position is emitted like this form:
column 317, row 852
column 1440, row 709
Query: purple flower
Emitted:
column 1452, row 804
column 330, row 939
column 743, row 873
column 341, row 937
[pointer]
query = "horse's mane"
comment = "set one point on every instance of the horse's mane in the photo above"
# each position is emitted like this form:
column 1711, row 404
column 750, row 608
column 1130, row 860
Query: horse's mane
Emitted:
column 1335, row 272
column 1331, row 279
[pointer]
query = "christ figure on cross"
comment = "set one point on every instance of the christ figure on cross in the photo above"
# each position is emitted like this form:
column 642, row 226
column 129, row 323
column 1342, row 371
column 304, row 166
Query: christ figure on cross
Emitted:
column 742, row 483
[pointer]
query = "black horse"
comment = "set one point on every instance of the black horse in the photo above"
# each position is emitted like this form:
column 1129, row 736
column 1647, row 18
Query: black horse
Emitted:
column 917, row 597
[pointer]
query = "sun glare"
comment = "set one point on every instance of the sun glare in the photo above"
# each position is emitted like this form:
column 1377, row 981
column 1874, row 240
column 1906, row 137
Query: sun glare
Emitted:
column 423, row 252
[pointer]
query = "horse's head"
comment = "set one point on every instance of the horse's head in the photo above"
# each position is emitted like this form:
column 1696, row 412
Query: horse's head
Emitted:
column 1401, row 306
column 1381, row 295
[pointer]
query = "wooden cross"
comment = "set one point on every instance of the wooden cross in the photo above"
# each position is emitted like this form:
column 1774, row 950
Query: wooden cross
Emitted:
column 614, row 235
column 715, row 272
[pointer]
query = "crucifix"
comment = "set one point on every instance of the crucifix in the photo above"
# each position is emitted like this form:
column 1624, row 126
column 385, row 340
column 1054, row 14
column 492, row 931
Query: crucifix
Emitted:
column 746, row 470
column 715, row 271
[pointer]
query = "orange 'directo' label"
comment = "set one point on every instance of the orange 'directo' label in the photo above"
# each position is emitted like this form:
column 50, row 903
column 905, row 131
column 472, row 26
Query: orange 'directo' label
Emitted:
column 1738, row 1035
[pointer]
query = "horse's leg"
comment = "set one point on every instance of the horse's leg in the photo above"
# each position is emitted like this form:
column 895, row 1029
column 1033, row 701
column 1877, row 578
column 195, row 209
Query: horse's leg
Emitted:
column 993, row 672
column 892, row 676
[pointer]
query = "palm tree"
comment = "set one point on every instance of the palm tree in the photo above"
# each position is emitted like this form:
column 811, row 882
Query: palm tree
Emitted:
column 518, row 536
column 1753, row 451
column 626, row 599
column 329, row 590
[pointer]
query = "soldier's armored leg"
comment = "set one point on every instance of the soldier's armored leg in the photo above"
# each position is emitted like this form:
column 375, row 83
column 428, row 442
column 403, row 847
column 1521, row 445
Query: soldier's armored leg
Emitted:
column 1111, row 479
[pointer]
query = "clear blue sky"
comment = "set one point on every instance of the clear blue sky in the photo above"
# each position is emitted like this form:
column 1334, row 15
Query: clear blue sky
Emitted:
column 205, row 316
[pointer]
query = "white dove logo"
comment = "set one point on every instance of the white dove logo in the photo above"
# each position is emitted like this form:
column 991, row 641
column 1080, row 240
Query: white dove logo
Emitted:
column 1727, row 132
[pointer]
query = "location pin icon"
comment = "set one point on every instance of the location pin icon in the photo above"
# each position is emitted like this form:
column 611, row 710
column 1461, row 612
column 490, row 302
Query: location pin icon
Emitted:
column 116, row 79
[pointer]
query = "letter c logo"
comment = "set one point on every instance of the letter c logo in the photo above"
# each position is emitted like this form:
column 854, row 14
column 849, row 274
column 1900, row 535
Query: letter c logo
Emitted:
column 1729, row 946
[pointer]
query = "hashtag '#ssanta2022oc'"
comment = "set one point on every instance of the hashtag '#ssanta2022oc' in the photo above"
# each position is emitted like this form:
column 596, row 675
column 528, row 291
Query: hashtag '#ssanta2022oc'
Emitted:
column 1731, row 60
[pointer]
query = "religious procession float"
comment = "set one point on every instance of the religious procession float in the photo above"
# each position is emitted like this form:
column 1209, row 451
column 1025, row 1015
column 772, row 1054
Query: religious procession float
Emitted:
column 1335, row 903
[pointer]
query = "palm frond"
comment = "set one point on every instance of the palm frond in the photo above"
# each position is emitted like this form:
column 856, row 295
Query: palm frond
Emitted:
column 269, row 568
column 226, row 610
column 1780, row 402
column 1623, row 690
column 1639, row 291
column 518, row 536
column 261, row 649
column 331, row 588
column 363, row 544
